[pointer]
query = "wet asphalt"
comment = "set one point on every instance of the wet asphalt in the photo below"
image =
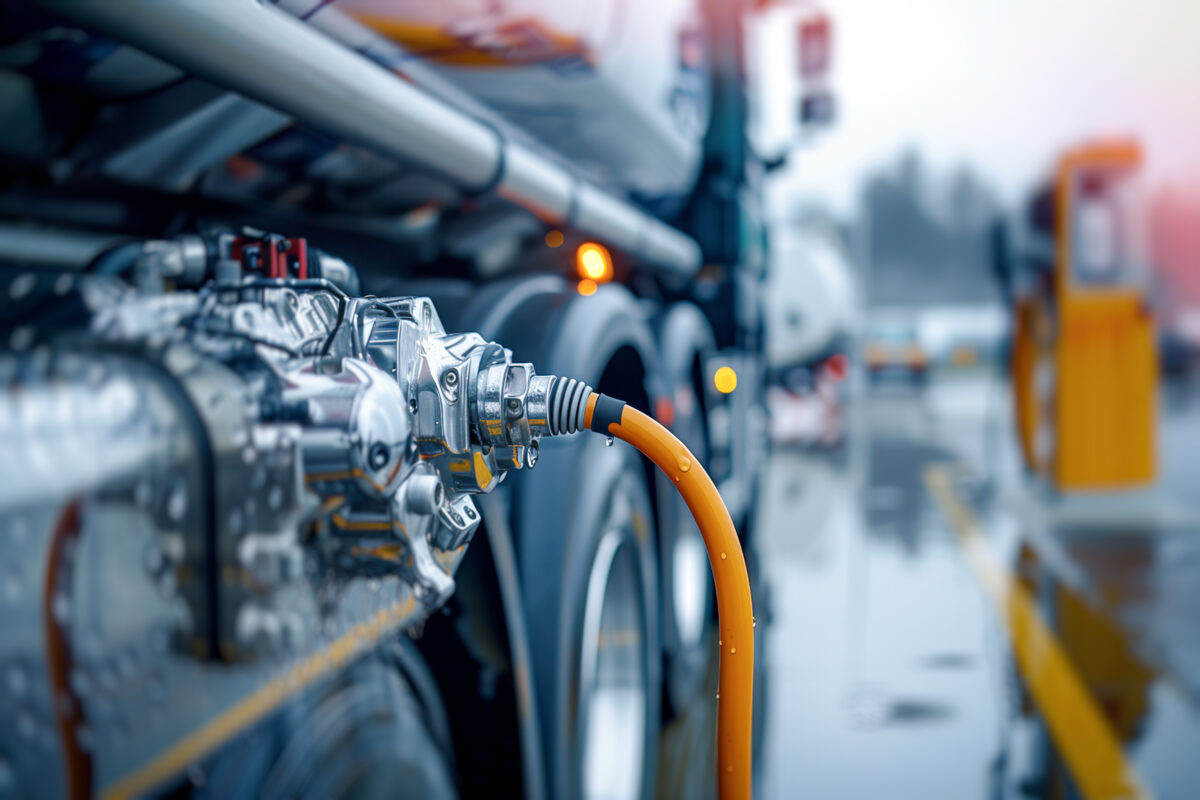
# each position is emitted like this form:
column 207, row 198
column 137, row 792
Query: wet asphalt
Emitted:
column 888, row 671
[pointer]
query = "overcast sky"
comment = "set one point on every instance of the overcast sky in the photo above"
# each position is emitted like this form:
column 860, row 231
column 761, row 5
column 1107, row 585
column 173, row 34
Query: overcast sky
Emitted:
column 1004, row 85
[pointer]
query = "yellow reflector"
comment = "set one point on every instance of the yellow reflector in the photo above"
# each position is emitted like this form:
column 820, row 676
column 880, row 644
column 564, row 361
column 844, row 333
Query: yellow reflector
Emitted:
column 594, row 262
column 725, row 380
column 554, row 238
column 586, row 287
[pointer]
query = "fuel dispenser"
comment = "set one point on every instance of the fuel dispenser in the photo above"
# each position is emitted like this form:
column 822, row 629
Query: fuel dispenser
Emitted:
column 1084, row 364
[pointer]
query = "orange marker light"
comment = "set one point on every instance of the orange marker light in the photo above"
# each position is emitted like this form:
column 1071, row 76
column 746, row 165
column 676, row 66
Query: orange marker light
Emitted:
column 725, row 380
column 554, row 238
column 593, row 262
column 586, row 287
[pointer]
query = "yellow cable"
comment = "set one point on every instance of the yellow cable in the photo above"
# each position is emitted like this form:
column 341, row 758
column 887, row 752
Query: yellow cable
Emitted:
column 735, row 612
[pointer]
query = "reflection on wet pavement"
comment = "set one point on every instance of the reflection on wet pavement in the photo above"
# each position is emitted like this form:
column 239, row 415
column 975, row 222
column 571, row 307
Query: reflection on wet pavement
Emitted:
column 892, row 675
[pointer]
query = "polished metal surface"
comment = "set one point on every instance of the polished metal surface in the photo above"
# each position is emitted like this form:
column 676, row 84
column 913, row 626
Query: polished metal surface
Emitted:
column 262, row 52
column 262, row 474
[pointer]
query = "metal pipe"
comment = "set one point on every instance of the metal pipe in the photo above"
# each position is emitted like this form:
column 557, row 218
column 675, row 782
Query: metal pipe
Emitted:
column 38, row 246
column 262, row 52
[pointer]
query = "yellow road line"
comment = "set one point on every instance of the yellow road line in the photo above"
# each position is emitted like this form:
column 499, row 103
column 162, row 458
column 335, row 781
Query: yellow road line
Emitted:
column 258, row 704
column 1081, row 734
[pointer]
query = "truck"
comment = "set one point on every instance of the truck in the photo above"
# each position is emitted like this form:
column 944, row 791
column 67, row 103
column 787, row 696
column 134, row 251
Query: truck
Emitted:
column 276, row 276
column 811, row 312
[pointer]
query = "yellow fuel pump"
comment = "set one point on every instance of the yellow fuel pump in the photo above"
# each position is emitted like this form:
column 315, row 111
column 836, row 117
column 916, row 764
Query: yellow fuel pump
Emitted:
column 1084, row 363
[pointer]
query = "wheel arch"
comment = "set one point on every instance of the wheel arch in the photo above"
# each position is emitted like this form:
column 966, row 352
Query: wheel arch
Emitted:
column 607, row 340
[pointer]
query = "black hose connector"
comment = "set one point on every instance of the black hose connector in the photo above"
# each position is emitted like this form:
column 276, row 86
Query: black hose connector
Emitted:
column 607, row 412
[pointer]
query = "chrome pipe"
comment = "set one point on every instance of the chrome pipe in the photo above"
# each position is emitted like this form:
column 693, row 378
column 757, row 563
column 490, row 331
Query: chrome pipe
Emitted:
column 264, row 53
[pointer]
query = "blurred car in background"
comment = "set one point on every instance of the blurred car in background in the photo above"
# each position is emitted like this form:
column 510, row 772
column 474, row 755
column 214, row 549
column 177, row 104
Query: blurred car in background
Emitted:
column 806, row 403
column 1179, row 344
column 892, row 348
column 963, row 336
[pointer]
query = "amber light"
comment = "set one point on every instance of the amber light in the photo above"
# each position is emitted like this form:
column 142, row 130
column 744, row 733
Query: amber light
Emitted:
column 594, row 263
column 725, row 380
column 587, row 287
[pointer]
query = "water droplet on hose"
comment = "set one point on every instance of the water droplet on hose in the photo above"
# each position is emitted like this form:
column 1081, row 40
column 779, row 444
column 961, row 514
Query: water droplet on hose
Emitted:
column 685, row 463
column 732, row 651
column 608, row 441
column 723, row 556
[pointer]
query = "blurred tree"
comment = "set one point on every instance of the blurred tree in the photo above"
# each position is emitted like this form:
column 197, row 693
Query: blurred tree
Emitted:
column 928, row 236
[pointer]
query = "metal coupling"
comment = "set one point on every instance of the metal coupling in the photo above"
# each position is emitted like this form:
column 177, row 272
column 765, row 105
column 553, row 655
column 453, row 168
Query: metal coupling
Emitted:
column 515, row 407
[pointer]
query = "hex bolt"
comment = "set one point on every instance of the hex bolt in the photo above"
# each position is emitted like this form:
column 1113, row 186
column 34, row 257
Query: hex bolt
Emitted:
column 514, row 407
column 378, row 455
column 450, row 378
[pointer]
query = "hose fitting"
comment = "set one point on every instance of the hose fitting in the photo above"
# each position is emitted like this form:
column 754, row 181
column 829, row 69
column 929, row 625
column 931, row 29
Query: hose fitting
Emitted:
column 515, row 407
column 567, row 406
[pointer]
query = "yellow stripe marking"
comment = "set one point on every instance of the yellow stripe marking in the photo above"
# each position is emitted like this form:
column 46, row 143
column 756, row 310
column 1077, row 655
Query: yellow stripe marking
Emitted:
column 347, row 474
column 259, row 703
column 321, row 477
column 1081, row 734
column 361, row 525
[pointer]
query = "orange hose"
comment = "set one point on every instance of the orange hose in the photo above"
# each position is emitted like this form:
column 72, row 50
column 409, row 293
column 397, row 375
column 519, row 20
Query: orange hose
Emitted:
column 735, row 612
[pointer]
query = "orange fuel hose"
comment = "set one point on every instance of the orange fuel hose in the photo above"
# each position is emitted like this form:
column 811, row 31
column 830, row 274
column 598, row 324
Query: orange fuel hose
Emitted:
column 735, row 613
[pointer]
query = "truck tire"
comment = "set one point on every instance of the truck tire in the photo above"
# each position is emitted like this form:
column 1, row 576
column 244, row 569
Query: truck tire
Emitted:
column 362, row 735
column 688, row 601
column 604, row 703
column 584, row 519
